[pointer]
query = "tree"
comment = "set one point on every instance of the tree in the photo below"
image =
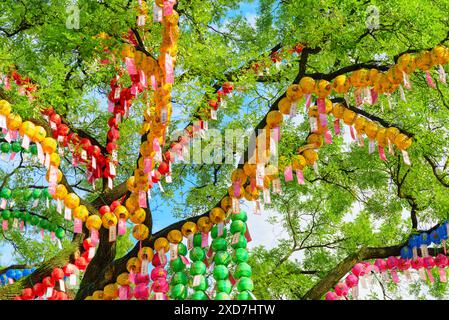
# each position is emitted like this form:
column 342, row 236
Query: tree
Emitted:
column 288, row 41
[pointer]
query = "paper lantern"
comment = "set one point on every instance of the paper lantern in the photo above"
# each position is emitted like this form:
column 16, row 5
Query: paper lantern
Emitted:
column 27, row 128
column 138, row 216
column 341, row 84
column 323, row 88
column 121, row 212
column 14, row 122
column 360, row 124
column 93, row 222
column 424, row 61
column 307, row 85
column 174, row 236
column 338, row 110
column 140, row 232
column 294, row 93
column 189, row 228
column 406, row 63
column 274, row 119
column 71, row 201
column 315, row 139
column 110, row 292
column 133, row 265
column 146, row 253
column 226, row 203
column 310, row 156
column 81, row 213
column 371, row 129
column 439, row 55
column 5, row 108
column 349, row 117
column 109, row 220
column 402, row 141
column 161, row 244
column 49, row 145
column 341, row 289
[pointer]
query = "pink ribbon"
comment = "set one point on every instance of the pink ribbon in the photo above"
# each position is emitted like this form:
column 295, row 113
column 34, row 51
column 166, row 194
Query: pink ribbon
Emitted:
column 323, row 119
column 321, row 105
column 328, row 137
column 288, row 174
column 308, row 100
column 382, row 153
column 430, row 80
column 130, row 66
column 337, row 129
column 300, row 177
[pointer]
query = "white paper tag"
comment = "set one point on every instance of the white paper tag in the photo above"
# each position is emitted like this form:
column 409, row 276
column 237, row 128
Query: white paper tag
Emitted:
column 112, row 233
column 173, row 251
column 72, row 279
column 26, row 142
column 49, row 292
column 266, row 196
column 196, row 280
column 235, row 238
column 144, row 267
column 68, row 214
column 260, row 174
column 313, row 122
column 190, row 241
column 61, row 285
column 406, row 157
column 2, row 121
column 213, row 114
column 91, row 252
column 293, row 109
column 15, row 223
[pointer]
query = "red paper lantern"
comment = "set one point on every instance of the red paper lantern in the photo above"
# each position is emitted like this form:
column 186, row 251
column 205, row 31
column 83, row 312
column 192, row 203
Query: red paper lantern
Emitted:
column 56, row 119
column 48, row 282
column 94, row 151
column 85, row 255
column 163, row 168
column 113, row 135
column 114, row 205
column 111, row 147
column 104, row 209
column 156, row 177
column 81, row 263
column 27, row 294
column 69, row 269
column 39, row 289
column 63, row 130
column 18, row 298
column 112, row 122
column 48, row 111
column 213, row 103
column 57, row 274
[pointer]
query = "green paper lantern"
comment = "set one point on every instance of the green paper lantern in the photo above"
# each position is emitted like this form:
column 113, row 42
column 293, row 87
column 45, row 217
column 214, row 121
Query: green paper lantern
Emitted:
column 28, row 194
column 182, row 249
column 35, row 221
column 33, row 149
column 197, row 254
column 44, row 224
column 197, row 240
column 202, row 286
column 179, row 292
column 36, row 194
column 5, row 147
column 243, row 270
column 5, row 193
column 28, row 217
column 221, row 272
column 224, row 286
column 241, row 255
column 197, row 268
column 222, row 296
column 214, row 232
column 53, row 227
column 21, row 215
column 219, row 244
column 179, row 278
column 245, row 284
column 241, row 243
column 6, row 214
column 16, row 214
column 16, row 147
column 177, row 264
column 15, row 193
column 244, row 295
column 239, row 216
column 222, row 258
column 59, row 233
column 199, row 295
column 238, row 226
column 46, row 194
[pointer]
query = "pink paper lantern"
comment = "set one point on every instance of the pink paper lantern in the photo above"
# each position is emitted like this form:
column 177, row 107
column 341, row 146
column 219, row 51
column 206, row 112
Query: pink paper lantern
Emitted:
column 380, row 265
column 359, row 270
column 417, row 263
column 351, row 281
column 429, row 262
column 441, row 260
column 392, row 263
column 341, row 289
column 403, row 264
column 331, row 296
column 158, row 272
column 141, row 292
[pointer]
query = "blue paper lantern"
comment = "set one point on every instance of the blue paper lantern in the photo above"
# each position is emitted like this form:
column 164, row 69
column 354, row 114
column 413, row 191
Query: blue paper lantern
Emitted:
column 10, row 273
column 18, row 274
column 435, row 237
column 424, row 239
column 413, row 242
column 406, row 253
column 442, row 231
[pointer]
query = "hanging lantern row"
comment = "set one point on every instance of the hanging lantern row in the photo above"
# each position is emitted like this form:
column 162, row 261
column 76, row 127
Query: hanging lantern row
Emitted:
column 423, row 240
column 193, row 283
column 12, row 275
column 18, row 220
column 61, row 280
column 388, row 268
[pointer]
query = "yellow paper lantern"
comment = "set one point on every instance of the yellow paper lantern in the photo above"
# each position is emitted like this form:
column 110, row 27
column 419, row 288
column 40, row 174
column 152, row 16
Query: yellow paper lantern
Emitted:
column 338, row 110
column 123, row 279
column 137, row 216
column 204, row 224
column 81, row 213
column 140, row 232
column 298, row 162
column 14, row 121
column 97, row 295
column 294, row 92
column 49, row 145
column 217, row 215
column 60, row 192
column 315, row 139
column 146, row 253
column 110, row 292
column 226, row 203
column 323, row 88
column 402, row 141
column 310, row 155
column 93, row 222
column 161, row 244
column 307, row 85
column 371, row 129
column 71, row 201
column 5, row 108
column 274, row 119
column 121, row 212
column 341, row 84
column 349, row 117
column 133, row 265
column 174, row 236
column 284, row 106
column 109, row 219
column 189, row 228
column 27, row 128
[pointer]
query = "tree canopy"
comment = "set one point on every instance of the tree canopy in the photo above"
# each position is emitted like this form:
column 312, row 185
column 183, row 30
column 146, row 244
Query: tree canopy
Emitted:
column 356, row 196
